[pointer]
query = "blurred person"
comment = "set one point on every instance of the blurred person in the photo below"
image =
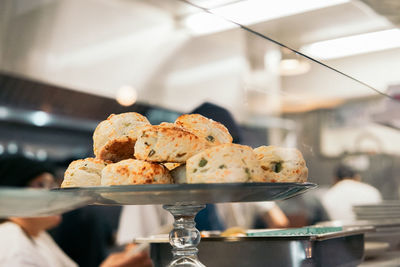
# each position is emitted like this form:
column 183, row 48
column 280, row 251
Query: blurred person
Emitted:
column 246, row 215
column 94, row 227
column 305, row 209
column 24, row 241
column 142, row 221
column 347, row 191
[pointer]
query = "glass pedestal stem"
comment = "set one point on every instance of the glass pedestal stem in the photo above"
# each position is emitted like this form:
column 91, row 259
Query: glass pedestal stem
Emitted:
column 184, row 238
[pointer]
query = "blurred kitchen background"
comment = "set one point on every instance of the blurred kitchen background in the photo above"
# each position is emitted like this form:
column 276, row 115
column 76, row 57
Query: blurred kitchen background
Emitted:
column 65, row 65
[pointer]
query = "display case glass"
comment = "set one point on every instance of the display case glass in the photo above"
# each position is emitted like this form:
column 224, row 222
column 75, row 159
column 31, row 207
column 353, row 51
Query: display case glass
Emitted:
column 248, row 57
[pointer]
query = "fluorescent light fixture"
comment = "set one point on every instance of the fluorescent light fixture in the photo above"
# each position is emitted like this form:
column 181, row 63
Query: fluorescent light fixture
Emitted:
column 354, row 45
column 40, row 118
column 250, row 12
column 205, row 23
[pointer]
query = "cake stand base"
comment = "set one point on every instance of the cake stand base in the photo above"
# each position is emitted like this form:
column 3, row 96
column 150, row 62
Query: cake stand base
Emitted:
column 184, row 238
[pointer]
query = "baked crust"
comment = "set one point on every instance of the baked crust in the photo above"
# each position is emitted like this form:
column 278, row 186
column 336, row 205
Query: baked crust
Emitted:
column 167, row 143
column 83, row 172
column 132, row 171
column 213, row 132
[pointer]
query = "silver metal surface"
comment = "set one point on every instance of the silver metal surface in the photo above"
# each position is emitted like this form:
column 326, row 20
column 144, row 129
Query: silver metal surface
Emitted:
column 24, row 202
column 175, row 194
column 344, row 249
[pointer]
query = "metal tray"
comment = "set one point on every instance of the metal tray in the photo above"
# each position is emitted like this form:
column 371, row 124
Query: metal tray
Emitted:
column 27, row 202
column 344, row 248
column 175, row 194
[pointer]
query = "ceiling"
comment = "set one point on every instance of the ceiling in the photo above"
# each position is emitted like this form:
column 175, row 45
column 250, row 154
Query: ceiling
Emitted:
column 96, row 46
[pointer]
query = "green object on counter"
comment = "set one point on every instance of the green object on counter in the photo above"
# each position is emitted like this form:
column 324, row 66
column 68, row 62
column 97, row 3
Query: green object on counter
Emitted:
column 305, row 231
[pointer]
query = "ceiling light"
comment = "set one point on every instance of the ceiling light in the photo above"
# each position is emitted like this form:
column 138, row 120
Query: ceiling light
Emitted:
column 354, row 45
column 12, row 148
column 250, row 12
column 291, row 67
column 41, row 154
column 126, row 95
column 40, row 118
column 205, row 23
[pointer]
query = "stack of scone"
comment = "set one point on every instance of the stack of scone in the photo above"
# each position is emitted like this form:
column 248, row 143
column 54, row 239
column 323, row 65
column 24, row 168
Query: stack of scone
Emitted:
column 193, row 149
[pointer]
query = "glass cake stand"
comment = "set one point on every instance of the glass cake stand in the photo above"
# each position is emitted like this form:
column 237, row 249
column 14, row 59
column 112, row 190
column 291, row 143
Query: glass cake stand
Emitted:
column 184, row 201
column 29, row 202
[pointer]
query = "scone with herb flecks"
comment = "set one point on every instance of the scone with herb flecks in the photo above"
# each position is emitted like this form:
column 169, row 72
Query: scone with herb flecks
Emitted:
column 281, row 164
column 167, row 143
column 228, row 163
column 213, row 132
column 114, row 139
column 84, row 172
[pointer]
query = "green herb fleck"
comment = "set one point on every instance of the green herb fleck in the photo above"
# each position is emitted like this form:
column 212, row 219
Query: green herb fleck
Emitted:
column 247, row 171
column 203, row 162
column 210, row 138
column 180, row 155
column 127, row 124
column 195, row 170
column 277, row 167
column 152, row 152
column 222, row 166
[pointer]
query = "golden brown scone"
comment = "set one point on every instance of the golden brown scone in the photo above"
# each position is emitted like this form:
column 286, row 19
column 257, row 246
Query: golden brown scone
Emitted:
column 132, row 171
column 213, row 132
column 281, row 164
column 83, row 172
column 228, row 163
column 114, row 139
column 167, row 143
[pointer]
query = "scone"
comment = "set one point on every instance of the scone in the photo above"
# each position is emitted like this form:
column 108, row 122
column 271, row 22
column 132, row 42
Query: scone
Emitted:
column 228, row 163
column 132, row 171
column 213, row 132
column 282, row 164
column 167, row 143
column 114, row 139
column 83, row 172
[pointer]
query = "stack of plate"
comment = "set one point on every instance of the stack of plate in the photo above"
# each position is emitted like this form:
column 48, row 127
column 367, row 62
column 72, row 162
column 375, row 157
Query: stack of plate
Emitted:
column 385, row 217
column 382, row 211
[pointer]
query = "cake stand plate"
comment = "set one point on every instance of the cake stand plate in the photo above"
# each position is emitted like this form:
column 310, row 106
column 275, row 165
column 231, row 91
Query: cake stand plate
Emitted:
column 193, row 194
column 27, row 202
